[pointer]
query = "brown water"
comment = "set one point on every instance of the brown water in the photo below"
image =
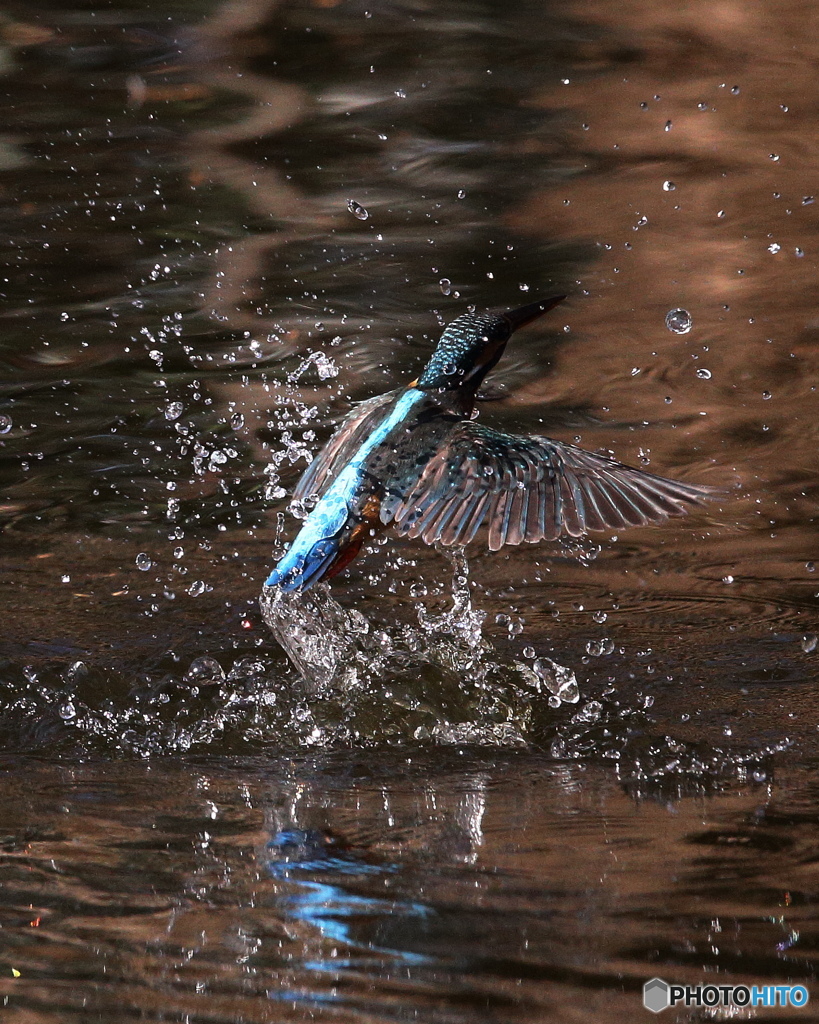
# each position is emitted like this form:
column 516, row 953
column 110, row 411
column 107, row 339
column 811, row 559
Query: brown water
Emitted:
column 396, row 822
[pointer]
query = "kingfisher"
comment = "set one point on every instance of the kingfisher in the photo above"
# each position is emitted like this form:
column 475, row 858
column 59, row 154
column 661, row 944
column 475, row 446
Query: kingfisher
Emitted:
column 416, row 460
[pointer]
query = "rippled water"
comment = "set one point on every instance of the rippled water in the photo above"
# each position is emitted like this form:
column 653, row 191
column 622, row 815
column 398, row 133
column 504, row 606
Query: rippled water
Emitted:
column 507, row 788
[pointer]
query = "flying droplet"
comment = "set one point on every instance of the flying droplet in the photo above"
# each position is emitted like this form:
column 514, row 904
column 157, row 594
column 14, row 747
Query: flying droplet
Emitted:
column 67, row 711
column 196, row 588
column 237, row 421
column 446, row 286
column 5, row 423
column 461, row 194
column 678, row 321
column 774, row 247
column 205, row 671
column 357, row 210
column 668, row 186
column 668, row 126
column 809, row 642
column 143, row 562
column 173, row 410
column 704, row 374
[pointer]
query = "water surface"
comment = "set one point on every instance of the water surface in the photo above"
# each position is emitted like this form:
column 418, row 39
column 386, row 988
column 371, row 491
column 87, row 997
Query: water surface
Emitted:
column 402, row 819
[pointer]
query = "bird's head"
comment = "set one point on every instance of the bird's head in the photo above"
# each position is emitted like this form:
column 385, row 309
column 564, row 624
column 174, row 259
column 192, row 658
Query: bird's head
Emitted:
column 471, row 346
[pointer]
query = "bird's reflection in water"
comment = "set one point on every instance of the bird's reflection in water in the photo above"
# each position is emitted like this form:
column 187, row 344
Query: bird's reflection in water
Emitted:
column 353, row 898
column 322, row 875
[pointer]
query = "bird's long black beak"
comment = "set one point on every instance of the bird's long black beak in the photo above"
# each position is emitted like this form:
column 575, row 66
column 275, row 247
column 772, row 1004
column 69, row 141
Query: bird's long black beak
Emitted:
column 526, row 314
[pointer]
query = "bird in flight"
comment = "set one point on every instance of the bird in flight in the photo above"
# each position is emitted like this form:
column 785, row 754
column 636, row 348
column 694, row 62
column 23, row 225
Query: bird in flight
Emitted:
column 414, row 459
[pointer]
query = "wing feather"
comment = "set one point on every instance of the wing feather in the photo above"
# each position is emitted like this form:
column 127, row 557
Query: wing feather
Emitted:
column 531, row 489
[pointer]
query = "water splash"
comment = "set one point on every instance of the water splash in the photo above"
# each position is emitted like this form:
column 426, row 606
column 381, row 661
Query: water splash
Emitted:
column 442, row 677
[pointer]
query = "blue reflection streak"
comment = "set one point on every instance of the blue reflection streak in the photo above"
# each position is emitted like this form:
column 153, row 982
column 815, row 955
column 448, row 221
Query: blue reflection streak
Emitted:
column 330, row 908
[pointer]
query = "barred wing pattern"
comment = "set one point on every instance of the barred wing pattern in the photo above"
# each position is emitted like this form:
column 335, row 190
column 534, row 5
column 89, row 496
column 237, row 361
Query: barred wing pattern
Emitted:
column 529, row 489
column 334, row 456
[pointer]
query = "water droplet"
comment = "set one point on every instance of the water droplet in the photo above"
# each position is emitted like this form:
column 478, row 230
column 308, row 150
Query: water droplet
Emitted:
column 774, row 247
column 524, row 287
column 529, row 652
column 558, row 680
column 807, row 200
column 600, row 616
column 774, row 157
column 325, row 366
column 810, row 566
column 196, row 588
column 205, row 671
column 702, row 106
column 77, row 670
column 143, row 562
column 445, row 285
column 799, row 252
column 5, row 423
column 237, row 421
column 357, row 210
column 678, row 321
column 766, row 395
column 418, row 590
column 704, row 374
column 65, row 578
column 735, row 90
column 173, row 410
column 727, row 580
column 668, row 186
column 668, row 126
column 809, row 642
column 67, row 711
column 597, row 648
column 461, row 193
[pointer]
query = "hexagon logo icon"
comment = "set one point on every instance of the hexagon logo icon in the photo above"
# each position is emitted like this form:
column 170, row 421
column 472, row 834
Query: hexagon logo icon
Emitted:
column 656, row 995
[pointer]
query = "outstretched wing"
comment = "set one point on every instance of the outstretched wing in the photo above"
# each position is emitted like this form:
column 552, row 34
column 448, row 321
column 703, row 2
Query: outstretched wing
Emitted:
column 530, row 489
column 353, row 430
